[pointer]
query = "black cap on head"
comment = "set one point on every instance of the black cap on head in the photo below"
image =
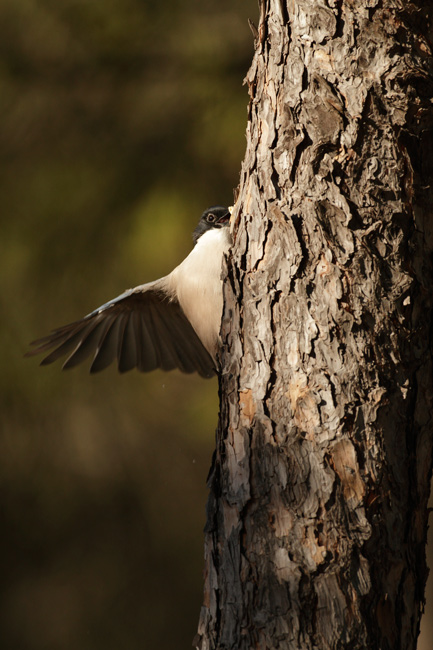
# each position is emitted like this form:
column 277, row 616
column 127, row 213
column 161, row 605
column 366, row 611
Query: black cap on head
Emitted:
column 215, row 217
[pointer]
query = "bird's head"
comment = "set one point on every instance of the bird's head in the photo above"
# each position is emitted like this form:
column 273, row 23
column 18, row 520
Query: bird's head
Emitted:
column 215, row 217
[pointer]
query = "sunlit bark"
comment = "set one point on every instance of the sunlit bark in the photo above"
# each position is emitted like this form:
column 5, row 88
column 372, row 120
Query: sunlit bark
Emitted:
column 317, row 512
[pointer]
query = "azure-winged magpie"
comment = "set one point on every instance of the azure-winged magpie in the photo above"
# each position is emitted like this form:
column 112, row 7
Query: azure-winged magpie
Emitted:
column 173, row 322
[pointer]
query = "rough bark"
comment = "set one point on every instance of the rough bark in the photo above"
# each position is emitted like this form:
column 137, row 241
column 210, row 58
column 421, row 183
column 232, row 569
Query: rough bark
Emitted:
column 317, row 514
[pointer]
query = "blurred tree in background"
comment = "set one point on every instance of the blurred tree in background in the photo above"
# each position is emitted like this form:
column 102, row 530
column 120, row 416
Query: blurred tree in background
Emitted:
column 120, row 122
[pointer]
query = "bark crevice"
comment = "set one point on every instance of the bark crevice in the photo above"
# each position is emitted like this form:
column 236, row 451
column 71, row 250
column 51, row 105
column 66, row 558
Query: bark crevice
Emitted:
column 318, row 503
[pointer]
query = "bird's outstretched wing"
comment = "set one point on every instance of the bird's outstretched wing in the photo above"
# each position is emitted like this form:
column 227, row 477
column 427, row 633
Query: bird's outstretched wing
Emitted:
column 142, row 328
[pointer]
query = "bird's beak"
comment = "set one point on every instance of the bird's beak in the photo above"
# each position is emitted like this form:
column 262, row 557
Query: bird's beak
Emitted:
column 224, row 219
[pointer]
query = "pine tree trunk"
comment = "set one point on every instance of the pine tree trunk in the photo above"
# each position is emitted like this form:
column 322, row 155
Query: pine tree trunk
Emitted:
column 317, row 514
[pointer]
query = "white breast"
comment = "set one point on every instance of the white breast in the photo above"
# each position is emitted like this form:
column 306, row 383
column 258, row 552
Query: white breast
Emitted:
column 198, row 285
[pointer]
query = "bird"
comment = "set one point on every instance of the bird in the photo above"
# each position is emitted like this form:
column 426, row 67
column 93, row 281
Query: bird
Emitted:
column 169, row 323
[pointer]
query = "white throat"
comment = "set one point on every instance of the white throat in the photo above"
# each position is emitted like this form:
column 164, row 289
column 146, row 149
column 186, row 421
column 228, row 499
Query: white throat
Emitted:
column 197, row 283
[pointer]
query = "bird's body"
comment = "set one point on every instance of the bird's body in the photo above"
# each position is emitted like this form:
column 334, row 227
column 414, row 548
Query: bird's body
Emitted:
column 200, row 290
column 170, row 323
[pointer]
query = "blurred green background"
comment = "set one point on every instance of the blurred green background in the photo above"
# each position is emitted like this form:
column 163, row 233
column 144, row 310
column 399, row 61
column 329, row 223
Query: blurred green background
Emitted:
column 120, row 122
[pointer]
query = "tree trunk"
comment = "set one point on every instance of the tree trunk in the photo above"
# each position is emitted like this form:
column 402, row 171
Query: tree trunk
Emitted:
column 317, row 514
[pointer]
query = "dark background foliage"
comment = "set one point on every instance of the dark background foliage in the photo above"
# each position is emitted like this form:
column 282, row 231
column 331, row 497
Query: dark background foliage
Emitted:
column 119, row 123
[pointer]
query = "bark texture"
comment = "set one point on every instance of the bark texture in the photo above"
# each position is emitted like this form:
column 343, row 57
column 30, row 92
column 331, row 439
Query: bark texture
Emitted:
column 317, row 513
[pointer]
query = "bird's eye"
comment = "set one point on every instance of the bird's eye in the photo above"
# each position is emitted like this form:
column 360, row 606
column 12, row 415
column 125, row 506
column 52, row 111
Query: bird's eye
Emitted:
column 210, row 218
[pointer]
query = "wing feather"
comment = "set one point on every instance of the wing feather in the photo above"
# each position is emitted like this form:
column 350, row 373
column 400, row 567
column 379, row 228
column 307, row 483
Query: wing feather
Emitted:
column 161, row 340
column 88, row 342
column 143, row 328
column 127, row 351
column 106, row 349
